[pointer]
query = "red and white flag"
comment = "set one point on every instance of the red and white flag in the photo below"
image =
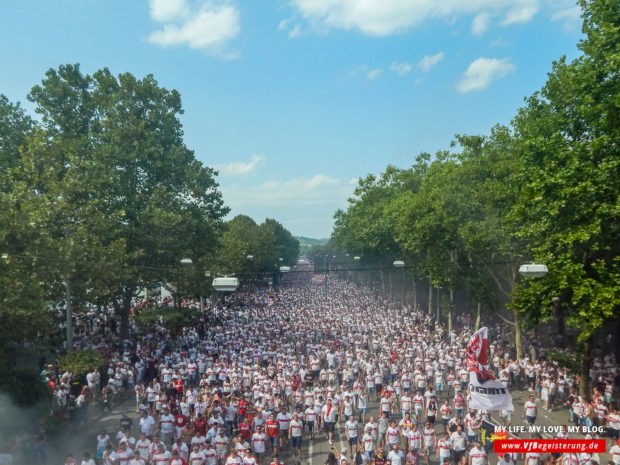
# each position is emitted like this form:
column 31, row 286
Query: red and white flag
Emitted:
column 486, row 392
column 477, row 345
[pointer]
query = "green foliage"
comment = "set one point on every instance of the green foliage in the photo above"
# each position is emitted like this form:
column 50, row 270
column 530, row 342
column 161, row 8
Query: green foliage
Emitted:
column 546, row 188
column 127, row 199
column 569, row 210
column 564, row 359
column 81, row 362
column 169, row 318
column 306, row 243
column 266, row 243
column 24, row 386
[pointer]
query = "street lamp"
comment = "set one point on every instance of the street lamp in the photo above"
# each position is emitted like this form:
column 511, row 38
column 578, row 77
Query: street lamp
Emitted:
column 401, row 264
column 225, row 284
column 533, row 270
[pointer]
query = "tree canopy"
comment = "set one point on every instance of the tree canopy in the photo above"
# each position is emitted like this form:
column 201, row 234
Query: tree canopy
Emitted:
column 546, row 188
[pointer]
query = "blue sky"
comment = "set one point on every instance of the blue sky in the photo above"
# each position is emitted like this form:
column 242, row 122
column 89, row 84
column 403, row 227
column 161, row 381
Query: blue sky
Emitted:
column 294, row 100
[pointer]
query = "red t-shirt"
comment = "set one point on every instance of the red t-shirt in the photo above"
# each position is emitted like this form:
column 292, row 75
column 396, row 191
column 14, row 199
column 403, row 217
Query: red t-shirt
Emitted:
column 178, row 384
column 273, row 427
column 180, row 421
column 201, row 425
column 245, row 429
column 243, row 407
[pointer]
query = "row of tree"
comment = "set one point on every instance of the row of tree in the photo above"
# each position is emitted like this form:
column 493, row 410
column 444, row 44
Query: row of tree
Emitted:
column 100, row 198
column 545, row 189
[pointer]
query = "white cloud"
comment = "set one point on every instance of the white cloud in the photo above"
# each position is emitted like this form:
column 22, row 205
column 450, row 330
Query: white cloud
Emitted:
column 482, row 71
column 207, row 26
column 374, row 73
column 499, row 42
column 521, row 12
column 570, row 16
column 283, row 26
column 384, row 17
column 319, row 189
column 401, row 68
column 358, row 70
column 295, row 32
column 429, row 61
column 168, row 10
column 480, row 24
column 240, row 168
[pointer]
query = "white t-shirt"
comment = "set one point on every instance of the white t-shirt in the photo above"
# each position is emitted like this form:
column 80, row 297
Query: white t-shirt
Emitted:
column 478, row 456
column 396, row 457
column 530, row 409
column 614, row 454
column 458, row 441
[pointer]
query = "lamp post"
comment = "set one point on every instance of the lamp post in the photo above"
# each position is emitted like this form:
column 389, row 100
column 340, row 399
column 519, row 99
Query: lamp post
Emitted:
column 68, row 316
column 401, row 264
column 356, row 259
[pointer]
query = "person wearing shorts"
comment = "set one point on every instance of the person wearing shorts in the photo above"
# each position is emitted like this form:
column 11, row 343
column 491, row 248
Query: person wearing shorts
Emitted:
column 295, row 432
column 328, row 414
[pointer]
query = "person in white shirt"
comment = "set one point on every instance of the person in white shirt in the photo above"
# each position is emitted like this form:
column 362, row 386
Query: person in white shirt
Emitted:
column 361, row 407
column 477, row 455
column 166, row 426
column 369, row 443
column 295, row 432
column 529, row 411
column 311, row 419
column 143, row 447
column 328, row 414
column 86, row 460
column 352, row 433
column 506, row 460
column 258, row 443
column 162, row 456
column 415, row 438
column 396, row 456
column 284, row 421
column 459, row 443
column 209, row 453
column 444, row 447
column 614, row 453
column 147, row 424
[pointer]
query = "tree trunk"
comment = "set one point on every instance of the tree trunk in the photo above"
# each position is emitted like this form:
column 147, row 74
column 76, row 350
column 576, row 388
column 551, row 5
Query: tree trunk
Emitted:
column 430, row 295
column 382, row 282
column 438, row 309
column 478, row 311
column 124, row 311
column 391, row 282
column 450, row 310
column 518, row 335
column 586, row 362
column 415, row 293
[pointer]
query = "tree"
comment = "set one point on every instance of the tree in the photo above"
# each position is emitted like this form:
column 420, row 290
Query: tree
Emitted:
column 128, row 178
column 569, row 210
column 286, row 246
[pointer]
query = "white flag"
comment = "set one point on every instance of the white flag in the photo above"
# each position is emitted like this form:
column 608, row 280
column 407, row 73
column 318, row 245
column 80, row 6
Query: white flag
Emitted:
column 488, row 395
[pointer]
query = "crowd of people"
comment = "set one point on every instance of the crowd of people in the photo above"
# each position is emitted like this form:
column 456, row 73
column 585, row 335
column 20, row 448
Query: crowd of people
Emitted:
column 263, row 374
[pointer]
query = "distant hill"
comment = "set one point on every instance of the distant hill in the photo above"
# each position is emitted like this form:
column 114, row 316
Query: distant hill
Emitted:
column 305, row 243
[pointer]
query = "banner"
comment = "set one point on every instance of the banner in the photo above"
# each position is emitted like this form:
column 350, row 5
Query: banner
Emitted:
column 477, row 355
column 318, row 278
column 489, row 394
column 477, row 345
column 488, row 435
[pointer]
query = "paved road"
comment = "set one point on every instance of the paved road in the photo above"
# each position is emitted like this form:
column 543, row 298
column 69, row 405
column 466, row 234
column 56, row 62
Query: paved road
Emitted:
column 314, row 452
